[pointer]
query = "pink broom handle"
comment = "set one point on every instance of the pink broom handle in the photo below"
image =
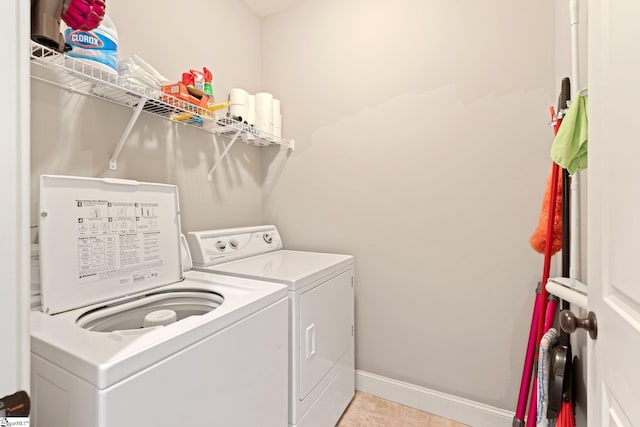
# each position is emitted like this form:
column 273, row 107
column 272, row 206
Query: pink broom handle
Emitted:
column 533, row 403
column 549, row 310
column 537, row 322
column 525, row 382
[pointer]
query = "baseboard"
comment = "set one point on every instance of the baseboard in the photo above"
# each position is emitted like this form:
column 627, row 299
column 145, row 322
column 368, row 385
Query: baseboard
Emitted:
column 442, row 404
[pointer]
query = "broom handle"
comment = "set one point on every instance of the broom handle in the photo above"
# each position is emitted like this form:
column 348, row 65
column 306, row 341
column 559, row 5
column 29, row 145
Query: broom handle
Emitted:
column 538, row 318
column 547, row 250
column 525, row 381
column 547, row 308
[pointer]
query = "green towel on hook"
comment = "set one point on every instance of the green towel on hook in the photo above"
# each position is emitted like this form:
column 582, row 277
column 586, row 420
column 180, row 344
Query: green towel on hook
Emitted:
column 569, row 148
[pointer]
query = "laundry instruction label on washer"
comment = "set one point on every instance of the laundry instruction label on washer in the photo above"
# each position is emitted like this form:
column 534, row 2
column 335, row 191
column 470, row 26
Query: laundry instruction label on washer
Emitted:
column 104, row 238
column 117, row 238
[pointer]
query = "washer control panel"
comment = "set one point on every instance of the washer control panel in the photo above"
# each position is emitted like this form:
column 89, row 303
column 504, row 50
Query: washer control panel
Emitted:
column 217, row 246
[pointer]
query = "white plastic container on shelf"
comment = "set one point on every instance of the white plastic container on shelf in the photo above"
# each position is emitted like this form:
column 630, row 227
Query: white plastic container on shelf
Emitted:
column 99, row 47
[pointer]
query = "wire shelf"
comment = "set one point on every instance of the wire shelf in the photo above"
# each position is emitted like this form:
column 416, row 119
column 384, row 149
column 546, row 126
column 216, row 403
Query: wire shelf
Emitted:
column 82, row 77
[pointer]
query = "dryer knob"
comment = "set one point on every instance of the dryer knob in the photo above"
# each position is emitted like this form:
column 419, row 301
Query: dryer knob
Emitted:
column 221, row 245
column 268, row 237
column 234, row 243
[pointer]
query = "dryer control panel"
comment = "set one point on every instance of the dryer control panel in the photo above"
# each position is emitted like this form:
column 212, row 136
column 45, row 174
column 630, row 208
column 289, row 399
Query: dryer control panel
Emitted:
column 217, row 246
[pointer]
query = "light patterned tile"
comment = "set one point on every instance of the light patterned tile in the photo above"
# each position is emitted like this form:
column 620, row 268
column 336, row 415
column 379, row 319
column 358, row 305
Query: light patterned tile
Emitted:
column 416, row 418
column 376, row 419
column 437, row 421
column 366, row 401
column 367, row 410
column 391, row 409
column 356, row 413
column 354, row 416
column 348, row 422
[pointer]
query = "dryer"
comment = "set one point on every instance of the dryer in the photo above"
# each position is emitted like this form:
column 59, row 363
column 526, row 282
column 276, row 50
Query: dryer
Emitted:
column 124, row 338
column 321, row 316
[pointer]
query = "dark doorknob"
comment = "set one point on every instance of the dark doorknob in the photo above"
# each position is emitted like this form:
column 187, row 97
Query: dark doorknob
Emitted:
column 15, row 405
column 569, row 323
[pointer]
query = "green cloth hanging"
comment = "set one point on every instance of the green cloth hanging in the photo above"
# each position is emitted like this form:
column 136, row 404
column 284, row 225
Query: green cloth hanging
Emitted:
column 569, row 148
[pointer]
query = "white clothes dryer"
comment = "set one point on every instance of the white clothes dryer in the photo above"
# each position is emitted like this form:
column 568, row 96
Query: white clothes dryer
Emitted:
column 124, row 338
column 321, row 316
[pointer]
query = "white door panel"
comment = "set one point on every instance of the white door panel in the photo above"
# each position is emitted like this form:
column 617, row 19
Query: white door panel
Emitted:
column 614, row 213
column 614, row 415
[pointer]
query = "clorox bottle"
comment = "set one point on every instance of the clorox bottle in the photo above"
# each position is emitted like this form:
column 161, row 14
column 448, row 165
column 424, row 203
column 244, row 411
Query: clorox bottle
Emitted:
column 100, row 46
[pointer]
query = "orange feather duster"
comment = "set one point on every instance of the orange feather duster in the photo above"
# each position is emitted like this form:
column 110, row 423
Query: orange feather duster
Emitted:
column 538, row 239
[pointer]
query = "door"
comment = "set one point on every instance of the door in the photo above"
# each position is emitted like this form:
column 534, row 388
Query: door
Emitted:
column 14, row 197
column 613, row 231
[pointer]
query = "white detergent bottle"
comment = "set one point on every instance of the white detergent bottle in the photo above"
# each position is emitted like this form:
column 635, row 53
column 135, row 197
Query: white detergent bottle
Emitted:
column 99, row 46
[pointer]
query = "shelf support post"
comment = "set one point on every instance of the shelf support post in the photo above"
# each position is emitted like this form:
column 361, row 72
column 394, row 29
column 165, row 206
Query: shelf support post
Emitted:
column 113, row 162
column 224, row 153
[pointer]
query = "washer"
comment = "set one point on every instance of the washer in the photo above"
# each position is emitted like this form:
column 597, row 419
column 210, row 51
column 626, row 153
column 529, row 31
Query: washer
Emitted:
column 124, row 338
column 321, row 300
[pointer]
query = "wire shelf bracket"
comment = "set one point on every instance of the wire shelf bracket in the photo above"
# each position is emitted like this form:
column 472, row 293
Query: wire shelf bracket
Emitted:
column 223, row 155
column 113, row 161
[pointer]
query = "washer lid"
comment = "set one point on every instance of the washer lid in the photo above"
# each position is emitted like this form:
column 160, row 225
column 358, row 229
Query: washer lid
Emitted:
column 105, row 238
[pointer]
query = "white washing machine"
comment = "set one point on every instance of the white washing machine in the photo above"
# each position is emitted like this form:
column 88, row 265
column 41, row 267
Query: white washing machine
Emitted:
column 125, row 339
column 321, row 301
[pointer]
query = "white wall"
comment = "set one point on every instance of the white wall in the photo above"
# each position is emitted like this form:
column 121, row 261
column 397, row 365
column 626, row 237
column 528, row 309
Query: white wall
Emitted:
column 422, row 149
column 76, row 135
column 14, row 175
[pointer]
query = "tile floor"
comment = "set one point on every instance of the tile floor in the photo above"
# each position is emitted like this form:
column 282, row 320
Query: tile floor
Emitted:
column 366, row 410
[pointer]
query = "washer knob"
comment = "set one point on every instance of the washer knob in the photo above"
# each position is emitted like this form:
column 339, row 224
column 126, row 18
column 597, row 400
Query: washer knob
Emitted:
column 221, row 245
column 234, row 243
column 268, row 237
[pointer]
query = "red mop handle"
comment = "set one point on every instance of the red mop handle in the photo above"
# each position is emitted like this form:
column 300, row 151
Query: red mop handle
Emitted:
column 547, row 248
column 555, row 173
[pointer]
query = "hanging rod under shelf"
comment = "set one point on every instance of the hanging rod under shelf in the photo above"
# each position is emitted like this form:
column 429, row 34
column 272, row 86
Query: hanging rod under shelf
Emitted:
column 82, row 77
